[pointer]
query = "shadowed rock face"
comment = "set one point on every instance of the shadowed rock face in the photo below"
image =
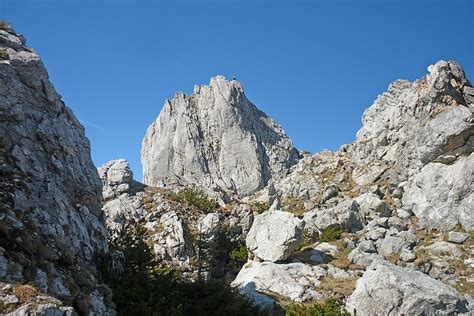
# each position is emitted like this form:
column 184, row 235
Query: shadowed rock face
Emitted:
column 217, row 139
column 51, row 222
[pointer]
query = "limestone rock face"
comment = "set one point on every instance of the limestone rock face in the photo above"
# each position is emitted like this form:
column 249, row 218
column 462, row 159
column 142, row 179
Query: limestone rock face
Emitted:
column 442, row 196
column 216, row 138
column 294, row 280
column 346, row 215
column 274, row 235
column 122, row 196
column 416, row 123
column 386, row 289
column 50, row 191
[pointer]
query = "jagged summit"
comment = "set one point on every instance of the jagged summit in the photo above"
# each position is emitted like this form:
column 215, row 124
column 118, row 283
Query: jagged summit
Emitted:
column 216, row 138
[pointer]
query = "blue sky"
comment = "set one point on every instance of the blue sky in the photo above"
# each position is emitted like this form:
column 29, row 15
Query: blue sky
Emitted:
column 314, row 66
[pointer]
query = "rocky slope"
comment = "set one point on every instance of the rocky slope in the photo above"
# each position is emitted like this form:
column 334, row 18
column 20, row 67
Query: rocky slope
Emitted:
column 217, row 139
column 227, row 196
column 51, row 222
column 396, row 202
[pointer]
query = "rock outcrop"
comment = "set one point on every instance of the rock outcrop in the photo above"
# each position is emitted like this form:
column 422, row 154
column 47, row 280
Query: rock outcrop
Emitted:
column 274, row 235
column 122, row 196
column 442, row 195
column 51, row 222
column 386, row 289
column 216, row 138
column 295, row 281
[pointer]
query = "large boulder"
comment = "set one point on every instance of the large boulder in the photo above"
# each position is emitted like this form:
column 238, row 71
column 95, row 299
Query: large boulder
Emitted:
column 295, row 281
column 51, row 220
column 442, row 196
column 386, row 289
column 274, row 235
column 346, row 214
column 216, row 138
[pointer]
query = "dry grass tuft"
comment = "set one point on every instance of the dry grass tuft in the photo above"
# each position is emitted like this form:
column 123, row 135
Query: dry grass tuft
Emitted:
column 339, row 287
column 25, row 292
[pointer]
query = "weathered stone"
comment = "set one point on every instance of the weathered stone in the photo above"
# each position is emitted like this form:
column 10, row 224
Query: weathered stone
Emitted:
column 443, row 248
column 274, row 235
column 172, row 243
column 442, row 196
column 391, row 245
column 457, row 237
column 386, row 289
column 376, row 233
column 295, row 281
column 367, row 246
column 371, row 206
column 407, row 255
column 359, row 257
column 209, row 224
column 345, row 214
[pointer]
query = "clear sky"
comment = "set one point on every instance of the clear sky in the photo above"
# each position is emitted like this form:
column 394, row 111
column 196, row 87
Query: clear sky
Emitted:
column 314, row 66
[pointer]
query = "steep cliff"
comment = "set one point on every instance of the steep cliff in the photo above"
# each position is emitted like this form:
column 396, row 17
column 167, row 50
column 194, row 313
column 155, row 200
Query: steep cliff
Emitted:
column 51, row 222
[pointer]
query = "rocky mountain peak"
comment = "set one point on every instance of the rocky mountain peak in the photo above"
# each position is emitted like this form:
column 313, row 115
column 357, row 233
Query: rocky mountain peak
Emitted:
column 216, row 138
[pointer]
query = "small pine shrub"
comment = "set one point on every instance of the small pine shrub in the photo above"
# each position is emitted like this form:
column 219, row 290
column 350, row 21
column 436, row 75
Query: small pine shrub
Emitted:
column 197, row 199
column 331, row 307
column 239, row 253
column 4, row 54
column 332, row 233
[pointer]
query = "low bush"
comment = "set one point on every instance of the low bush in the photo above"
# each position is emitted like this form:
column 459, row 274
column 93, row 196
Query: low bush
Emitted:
column 145, row 288
column 239, row 253
column 332, row 233
column 197, row 199
column 331, row 307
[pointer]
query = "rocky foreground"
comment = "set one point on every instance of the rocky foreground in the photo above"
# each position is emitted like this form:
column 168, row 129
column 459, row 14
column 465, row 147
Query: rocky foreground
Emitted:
column 384, row 224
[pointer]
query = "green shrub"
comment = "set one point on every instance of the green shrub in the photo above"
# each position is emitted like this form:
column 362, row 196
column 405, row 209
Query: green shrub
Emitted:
column 239, row 253
column 332, row 233
column 145, row 288
column 197, row 199
column 331, row 307
column 4, row 54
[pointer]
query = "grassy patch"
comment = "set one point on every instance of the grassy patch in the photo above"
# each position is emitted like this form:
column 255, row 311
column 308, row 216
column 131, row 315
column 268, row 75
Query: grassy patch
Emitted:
column 259, row 207
column 339, row 287
column 330, row 307
column 4, row 54
column 295, row 206
column 340, row 257
column 25, row 292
